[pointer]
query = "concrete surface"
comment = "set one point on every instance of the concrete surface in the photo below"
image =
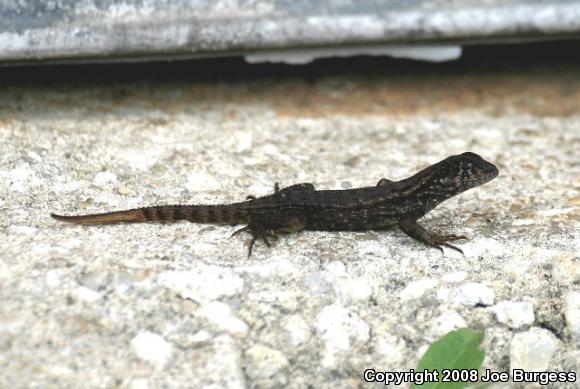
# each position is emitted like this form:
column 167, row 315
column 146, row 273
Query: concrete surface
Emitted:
column 152, row 306
column 111, row 30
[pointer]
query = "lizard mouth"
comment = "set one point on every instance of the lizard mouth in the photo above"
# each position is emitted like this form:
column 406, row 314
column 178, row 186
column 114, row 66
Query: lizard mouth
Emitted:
column 492, row 173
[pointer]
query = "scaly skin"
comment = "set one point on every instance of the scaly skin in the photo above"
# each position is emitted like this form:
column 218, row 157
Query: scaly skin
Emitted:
column 301, row 207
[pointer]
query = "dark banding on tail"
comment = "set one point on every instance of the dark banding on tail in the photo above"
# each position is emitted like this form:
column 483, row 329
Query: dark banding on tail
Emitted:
column 212, row 214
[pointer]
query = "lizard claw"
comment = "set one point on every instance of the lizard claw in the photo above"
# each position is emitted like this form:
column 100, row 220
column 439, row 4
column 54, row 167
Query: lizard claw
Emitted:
column 443, row 240
column 236, row 232
column 452, row 247
column 438, row 242
column 250, row 244
column 438, row 245
column 435, row 245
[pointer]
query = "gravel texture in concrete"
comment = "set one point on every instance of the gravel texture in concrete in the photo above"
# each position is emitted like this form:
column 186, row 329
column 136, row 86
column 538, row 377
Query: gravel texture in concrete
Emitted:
column 181, row 305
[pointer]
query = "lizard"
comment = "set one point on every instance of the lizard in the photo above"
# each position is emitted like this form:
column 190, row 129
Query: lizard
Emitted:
column 302, row 207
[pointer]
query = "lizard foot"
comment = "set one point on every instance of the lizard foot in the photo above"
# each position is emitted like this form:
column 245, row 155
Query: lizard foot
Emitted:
column 416, row 231
column 443, row 240
column 290, row 221
column 266, row 235
column 437, row 243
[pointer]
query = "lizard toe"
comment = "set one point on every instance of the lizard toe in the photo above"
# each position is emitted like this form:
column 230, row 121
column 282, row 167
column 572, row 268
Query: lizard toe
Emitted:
column 452, row 247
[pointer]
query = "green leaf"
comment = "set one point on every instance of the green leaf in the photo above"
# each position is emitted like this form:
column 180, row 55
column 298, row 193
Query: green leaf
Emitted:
column 459, row 349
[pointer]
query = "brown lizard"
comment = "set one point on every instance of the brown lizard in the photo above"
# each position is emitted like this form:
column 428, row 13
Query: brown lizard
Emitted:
column 301, row 207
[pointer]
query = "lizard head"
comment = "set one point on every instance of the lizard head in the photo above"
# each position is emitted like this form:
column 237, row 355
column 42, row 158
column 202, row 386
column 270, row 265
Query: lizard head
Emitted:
column 459, row 173
column 448, row 178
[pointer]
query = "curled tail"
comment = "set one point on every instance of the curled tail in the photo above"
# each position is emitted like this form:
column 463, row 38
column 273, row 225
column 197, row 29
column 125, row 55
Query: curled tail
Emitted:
column 212, row 214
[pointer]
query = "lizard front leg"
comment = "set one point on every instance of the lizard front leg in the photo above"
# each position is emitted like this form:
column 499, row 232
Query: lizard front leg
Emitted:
column 410, row 227
column 289, row 221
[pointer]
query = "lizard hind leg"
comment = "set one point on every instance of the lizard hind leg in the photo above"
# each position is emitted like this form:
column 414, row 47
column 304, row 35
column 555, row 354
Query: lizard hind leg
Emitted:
column 264, row 235
column 257, row 233
column 291, row 221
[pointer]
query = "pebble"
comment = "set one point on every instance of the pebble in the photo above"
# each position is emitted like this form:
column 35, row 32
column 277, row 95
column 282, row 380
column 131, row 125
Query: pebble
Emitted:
column 103, row 178
column 204, row 284
column 444, row 294
column 335, row 269
column 223, row 368
column 531, row 350
column 264, row 362
column 390, row 347
column 60, row 371
column 416, row 289
column 572, row 314
column 221, row 316
column 123, row 190
column 445, row 323
column 272, row 268
column 337, row 327
column 473, row 293
column 297, row 330
column 316, row 283
column 19, row 179
column 95, row 280
column 54, row 278
column 455, row 277
column 242, row 141
column 488, row 246
column 201, row 336
column 139, row 383
column 22, row 230
column 514, row 314
column 321, row 282
column 283, row 299
column 151, row 347
column 82, row 293
column 201, row 182
column 354, row 289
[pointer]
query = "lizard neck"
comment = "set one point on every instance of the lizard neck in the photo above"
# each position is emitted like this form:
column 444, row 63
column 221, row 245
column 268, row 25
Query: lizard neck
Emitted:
column 421, row 192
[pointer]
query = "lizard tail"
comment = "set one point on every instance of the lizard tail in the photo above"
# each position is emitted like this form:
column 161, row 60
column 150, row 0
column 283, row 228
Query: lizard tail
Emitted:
column 213, row 214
